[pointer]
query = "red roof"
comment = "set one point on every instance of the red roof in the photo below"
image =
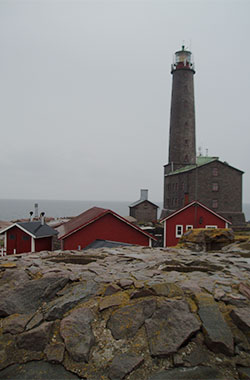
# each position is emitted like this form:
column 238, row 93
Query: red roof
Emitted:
column 192, row 204
column 90, row 216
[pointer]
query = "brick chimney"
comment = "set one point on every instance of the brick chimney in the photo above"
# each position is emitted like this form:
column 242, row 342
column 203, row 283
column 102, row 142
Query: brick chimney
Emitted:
column 144, row 195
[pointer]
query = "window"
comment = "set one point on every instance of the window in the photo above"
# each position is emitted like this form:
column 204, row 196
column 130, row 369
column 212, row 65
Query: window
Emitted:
column 214, row 203
column 215, row 186
column 215, row 172
column 25, row 237
column 179, row 230
column 211, row 227
column 189, row 227
column 186, row 142
column 12, row 237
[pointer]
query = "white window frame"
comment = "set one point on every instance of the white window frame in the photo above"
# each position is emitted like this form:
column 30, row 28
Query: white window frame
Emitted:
column 177, row 234
column 208, row 226
column 189, row 227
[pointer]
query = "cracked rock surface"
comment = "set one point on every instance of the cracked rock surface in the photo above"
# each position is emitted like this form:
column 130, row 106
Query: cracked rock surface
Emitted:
column 125, row 313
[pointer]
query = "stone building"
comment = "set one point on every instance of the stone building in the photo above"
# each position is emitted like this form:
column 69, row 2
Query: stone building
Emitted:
column 143, row 210
column 188, row 178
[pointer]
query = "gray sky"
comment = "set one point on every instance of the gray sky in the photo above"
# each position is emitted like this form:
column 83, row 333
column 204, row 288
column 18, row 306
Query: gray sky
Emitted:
column 85, row 92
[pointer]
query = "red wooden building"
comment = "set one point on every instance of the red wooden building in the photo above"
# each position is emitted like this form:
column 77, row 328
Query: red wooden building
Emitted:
column 101, row 224
column 193, row 215
column 22, row 237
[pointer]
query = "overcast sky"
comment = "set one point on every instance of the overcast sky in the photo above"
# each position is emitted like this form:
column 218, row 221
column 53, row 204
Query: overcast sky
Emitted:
column 85, row 90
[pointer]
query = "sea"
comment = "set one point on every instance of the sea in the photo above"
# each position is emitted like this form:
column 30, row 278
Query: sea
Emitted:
column 12, row 209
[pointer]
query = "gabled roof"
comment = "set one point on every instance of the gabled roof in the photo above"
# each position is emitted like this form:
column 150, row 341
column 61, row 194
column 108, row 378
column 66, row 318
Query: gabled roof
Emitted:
column 35, row 229
column 190, row 205
column 200, row 161
column 98, row 243
column 141, row 201
column 90, row 216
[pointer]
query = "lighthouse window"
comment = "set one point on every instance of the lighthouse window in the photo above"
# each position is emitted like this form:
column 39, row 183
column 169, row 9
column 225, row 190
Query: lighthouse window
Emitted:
column 215, row 186
column 215, row 172
column 186, row 158
column 215, row 203
column 186, row 142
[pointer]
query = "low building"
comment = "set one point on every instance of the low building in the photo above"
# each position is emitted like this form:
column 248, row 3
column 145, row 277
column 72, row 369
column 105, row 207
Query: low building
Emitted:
column 22, row 237
column 193, row 215
column 101, row 224
column 143, row 210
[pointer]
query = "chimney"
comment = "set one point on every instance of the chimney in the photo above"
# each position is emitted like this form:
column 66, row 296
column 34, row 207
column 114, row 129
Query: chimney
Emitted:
column 42, row 218
column 31, row 216
column 186, row 199
column 144, row 195
column 36, row 210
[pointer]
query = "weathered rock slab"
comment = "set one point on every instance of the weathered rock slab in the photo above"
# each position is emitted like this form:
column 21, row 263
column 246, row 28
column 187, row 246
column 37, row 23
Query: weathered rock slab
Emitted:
column 241, row 317
column 196, row 373
column 170, row 326
column 55, row 352
column 218, row 336
column 77, row 334
column 113, row 300
column 35, row 339
column 167, row 289
column 15, row 323
column 126, row 321
column 36, row 370
column 244, row 373
column 28, row 297
column 58, row 307
column 123, row 364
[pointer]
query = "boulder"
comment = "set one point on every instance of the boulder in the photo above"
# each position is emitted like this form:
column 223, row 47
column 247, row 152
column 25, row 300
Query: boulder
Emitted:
column 207, row 239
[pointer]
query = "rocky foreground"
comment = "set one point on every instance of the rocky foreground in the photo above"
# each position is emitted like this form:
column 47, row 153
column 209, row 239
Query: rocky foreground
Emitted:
column 133, row 313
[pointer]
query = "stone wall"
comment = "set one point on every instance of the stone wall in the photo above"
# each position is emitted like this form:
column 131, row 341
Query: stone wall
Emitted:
column 144, row 212
column 198, row 184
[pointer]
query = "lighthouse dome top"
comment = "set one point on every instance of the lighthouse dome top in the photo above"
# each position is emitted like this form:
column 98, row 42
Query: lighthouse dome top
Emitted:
column 183, row 60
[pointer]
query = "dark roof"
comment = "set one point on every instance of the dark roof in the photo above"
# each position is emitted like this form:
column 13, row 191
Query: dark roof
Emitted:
column 141, row 201
column 90, row 216
column 106, row 244
column 37, row 229
column 192, row 204
column 201, row 161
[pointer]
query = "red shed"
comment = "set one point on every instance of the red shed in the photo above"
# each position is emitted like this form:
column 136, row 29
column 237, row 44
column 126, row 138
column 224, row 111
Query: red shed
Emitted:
column 103, row 224
column 193, row 215
column 28, row 237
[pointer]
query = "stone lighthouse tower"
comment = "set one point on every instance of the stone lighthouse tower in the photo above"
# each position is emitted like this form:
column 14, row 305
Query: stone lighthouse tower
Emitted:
column 182, row 150
column 187, row 178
